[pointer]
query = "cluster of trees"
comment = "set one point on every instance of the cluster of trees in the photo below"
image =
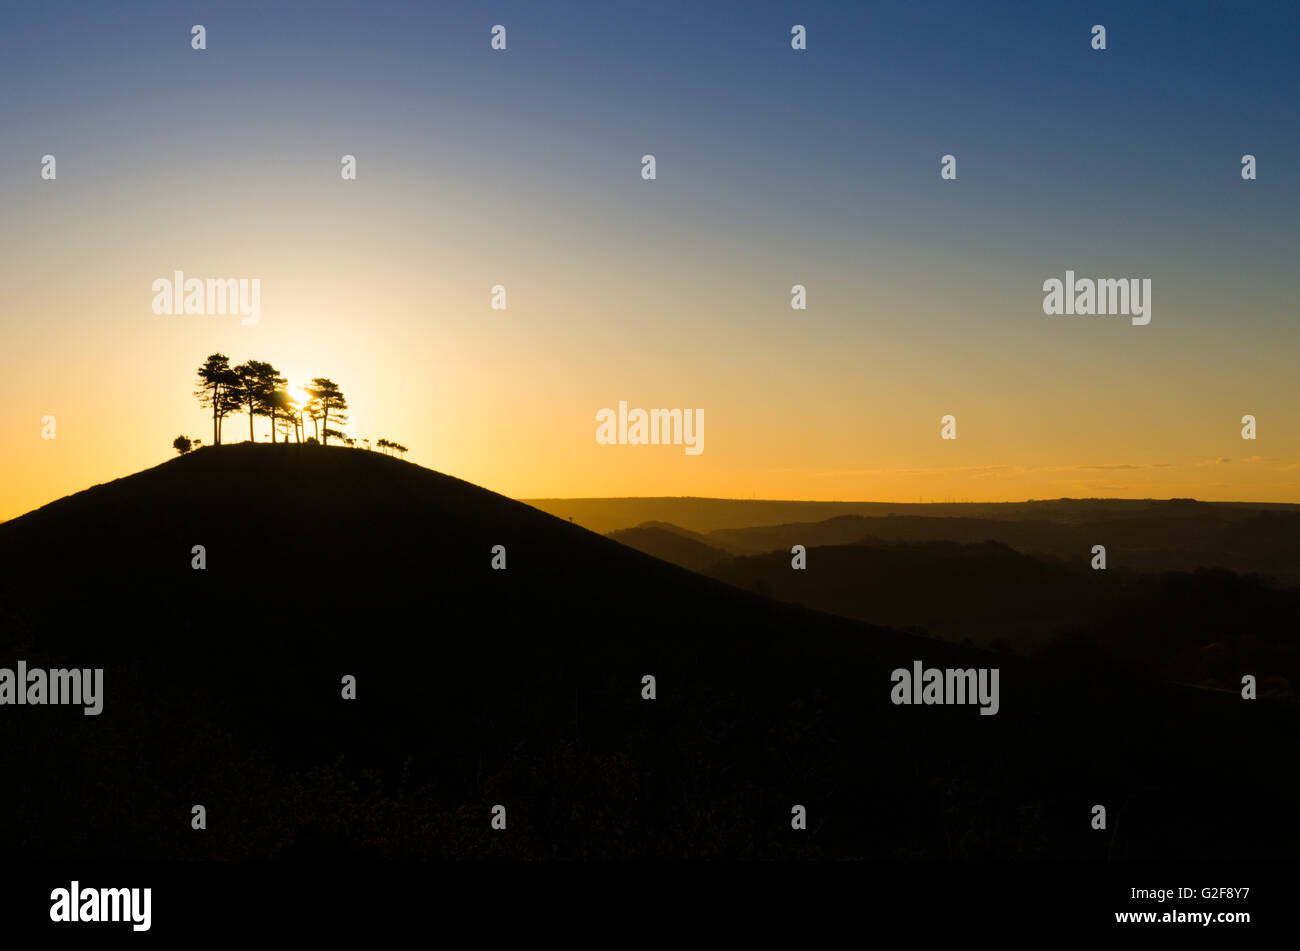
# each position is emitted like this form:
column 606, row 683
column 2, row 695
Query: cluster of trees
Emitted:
column 258, row 389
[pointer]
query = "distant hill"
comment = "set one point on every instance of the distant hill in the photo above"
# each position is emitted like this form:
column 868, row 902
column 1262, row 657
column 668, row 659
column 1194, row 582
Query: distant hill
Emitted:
column 984, row 591
column 671, row 544
column 1176, row 625
column 948, row 577
column 523, row 687
column 710, row 515
column 1141, row 536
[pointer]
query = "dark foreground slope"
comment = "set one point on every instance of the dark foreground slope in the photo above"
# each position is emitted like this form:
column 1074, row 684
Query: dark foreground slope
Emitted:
column 523, row 688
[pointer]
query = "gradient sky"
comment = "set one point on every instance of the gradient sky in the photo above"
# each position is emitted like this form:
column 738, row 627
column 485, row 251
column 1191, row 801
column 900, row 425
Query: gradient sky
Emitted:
column 774, row 168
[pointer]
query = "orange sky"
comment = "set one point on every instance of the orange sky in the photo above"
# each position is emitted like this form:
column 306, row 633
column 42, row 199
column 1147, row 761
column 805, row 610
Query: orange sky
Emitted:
column 842, row 401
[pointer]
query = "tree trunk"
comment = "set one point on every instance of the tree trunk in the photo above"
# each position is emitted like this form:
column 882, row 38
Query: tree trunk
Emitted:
column 325, row 426
column 216, row 397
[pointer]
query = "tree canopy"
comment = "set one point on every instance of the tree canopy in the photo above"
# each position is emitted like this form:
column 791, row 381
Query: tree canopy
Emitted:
column 257, row 388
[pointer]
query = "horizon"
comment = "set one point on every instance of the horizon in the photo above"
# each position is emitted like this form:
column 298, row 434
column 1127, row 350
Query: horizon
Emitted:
column 540, row 501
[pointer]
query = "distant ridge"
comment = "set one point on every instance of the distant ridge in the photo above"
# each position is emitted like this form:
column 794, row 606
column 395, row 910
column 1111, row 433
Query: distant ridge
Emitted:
column 1173, row 535
column 700, row 514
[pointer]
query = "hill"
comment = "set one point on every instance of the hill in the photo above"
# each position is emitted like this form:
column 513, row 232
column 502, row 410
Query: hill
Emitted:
column 1206, row 626
column 522, row 687
column 671, row 544
column 1142, row 534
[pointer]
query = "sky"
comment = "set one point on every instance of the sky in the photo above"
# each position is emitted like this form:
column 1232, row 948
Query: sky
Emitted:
column 774, row 167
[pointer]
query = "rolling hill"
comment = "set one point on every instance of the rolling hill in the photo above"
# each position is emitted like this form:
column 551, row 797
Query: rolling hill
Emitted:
column 523, row 687
column 672, row 544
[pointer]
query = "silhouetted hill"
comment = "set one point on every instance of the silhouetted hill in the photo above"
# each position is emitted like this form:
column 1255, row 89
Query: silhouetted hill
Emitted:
column 671, row 544
column 983, row 591
column 708, row 515
column 1139, row 536
column 523, row 687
